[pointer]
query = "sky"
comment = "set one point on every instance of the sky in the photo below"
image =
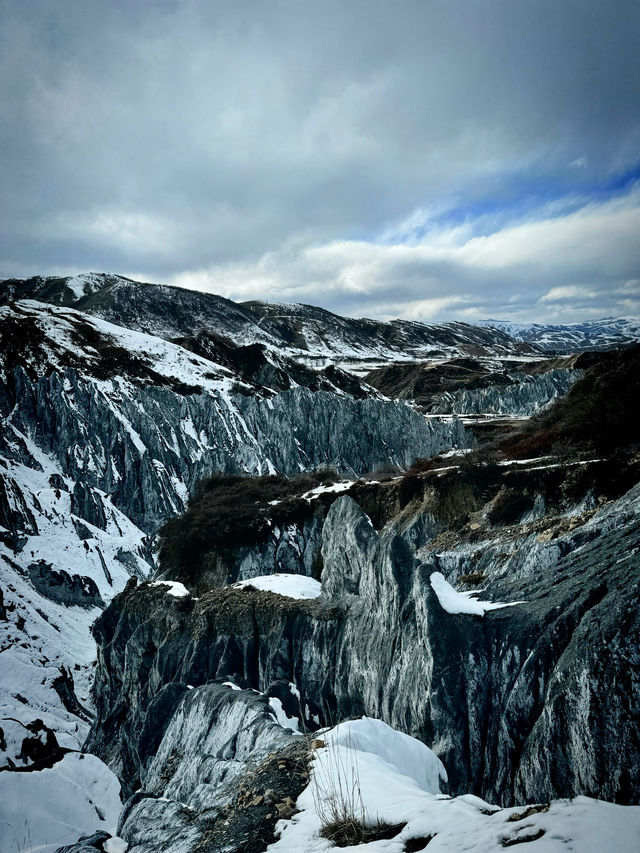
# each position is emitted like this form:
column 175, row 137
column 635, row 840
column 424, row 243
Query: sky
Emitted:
column 427, row 159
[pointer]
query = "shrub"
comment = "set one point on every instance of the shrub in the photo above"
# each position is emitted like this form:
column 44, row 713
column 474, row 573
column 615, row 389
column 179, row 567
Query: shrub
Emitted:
column 351, row 831
column 338, row 801
column 597, row 414
column 232, row 510
column 474, row 578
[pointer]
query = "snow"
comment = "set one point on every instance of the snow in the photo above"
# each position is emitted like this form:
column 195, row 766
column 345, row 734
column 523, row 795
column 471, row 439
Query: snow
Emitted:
column 335, row 488
column 312, row 494
column 84, row 283
column 281, row 716
column 115, row 845
column 76, row 285
column 524, row 461
column 407, row 756
column 175, row 588
column 290, row 586
column 455, row 602
column 385, row 775
column 54, row 635
column 570, row 337
column 170, row 360
column 294, row 690
column 46, row 809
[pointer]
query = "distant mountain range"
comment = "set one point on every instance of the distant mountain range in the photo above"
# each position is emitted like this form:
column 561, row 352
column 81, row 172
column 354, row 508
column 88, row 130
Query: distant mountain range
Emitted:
column 296, row 330
column 607, row 333
column 306, row 331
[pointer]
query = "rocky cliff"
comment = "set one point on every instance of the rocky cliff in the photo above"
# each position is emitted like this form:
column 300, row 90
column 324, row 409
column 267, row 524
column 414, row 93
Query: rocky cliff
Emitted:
column 472, row 386
column 516, row 695
column 485, row 606
column 114, row 427
column 524, row 396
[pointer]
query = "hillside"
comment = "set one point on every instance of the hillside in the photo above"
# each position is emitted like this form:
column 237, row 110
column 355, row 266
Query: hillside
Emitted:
column 216, row 550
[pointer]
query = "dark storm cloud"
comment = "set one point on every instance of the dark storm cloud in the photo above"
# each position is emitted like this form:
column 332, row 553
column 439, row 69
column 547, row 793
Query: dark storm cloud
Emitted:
column 316, row 151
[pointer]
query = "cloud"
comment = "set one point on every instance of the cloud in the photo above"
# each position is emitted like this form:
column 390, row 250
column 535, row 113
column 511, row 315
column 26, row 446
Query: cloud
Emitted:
column 569, row 293
column 579, row 163
column 370, row 158
column 582, row 261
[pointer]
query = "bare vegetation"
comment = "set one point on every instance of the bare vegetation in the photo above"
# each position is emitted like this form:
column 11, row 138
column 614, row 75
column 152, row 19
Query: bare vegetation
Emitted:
column 339, row 804
column 231, row 510
column 598, row 414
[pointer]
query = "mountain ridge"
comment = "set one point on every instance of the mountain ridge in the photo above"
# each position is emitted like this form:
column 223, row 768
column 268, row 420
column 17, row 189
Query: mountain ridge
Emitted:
column 305, row 331
column 603, row 333
column 310, row 331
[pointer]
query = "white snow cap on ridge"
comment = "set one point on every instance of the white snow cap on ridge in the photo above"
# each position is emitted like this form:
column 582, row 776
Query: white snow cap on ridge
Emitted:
column 290, row 586
column 175, row 588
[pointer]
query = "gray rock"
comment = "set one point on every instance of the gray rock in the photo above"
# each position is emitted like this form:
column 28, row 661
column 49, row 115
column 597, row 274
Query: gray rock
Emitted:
column 63, row 588
column 146, row 447
column 528, row 703
column 215, row 735
column 528, row 395
column 87, row 843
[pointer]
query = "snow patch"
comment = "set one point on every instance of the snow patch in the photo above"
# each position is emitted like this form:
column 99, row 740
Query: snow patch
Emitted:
column 390, row 777
column 290, row 586
column 455, row 602
column 78, row 796
column 176, row 589
column 281, row 716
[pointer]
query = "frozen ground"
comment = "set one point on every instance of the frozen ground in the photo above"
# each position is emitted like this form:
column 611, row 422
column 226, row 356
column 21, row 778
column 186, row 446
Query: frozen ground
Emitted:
column 384, row 775
column 44, row 810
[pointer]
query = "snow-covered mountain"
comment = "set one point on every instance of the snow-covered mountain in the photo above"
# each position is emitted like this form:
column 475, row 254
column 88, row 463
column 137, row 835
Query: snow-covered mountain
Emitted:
column 607, row 333
column 117, row 399
column 105, row 432
column 297, row 330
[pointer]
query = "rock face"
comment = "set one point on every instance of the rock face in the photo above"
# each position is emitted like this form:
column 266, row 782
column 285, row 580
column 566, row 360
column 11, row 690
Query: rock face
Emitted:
column 64, row 588
column 291, row 549
column 147, row 447
column 214, row 736
column 526, row 396
column 539, row 701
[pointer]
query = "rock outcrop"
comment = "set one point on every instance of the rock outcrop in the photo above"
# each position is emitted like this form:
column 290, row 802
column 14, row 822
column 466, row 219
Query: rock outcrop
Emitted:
column 147, row 447
column 528, row 702
column 525, row 396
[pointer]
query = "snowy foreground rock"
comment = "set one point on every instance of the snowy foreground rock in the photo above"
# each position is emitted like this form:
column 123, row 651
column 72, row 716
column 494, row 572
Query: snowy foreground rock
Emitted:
column 363, row 770
column 393, row 779
column 525, row 692
column 495, row 637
